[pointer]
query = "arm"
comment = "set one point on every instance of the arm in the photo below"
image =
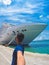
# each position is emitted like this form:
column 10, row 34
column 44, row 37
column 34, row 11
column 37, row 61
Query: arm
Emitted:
column 6, row 45
column 20, row 58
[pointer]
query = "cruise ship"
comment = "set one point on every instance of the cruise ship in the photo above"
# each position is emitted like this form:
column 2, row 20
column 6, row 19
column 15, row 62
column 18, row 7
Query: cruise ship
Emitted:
column 8, row 32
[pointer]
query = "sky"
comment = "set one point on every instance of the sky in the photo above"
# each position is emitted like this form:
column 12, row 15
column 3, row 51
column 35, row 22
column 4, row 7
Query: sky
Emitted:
column 26, row 11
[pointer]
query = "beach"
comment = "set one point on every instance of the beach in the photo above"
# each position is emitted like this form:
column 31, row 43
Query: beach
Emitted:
column 31, row 58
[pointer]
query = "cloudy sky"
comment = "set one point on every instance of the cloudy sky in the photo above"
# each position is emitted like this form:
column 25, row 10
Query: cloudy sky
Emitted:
column 25, row 11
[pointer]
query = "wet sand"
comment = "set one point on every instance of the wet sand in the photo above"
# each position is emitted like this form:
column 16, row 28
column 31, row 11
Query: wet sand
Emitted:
column 31, row 58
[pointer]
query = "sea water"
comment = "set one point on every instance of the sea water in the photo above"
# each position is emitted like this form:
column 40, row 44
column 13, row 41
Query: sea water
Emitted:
column 39, row 47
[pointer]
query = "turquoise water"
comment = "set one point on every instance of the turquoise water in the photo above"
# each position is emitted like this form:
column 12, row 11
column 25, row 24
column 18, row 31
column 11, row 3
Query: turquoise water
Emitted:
column 38, row 47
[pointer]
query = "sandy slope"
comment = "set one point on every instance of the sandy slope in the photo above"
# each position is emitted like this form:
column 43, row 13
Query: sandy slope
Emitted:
column 31, row 58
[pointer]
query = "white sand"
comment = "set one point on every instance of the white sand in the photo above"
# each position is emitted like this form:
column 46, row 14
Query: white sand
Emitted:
column 36, row 59
column 31, row 58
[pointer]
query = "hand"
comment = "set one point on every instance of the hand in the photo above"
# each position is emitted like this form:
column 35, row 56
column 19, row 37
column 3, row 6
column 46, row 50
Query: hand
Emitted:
column 5, row 45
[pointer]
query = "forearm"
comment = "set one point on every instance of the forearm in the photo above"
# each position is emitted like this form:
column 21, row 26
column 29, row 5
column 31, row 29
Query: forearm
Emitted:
column 20, row 60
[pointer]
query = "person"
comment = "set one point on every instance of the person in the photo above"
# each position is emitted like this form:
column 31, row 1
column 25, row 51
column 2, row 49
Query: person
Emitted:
column 18, row 53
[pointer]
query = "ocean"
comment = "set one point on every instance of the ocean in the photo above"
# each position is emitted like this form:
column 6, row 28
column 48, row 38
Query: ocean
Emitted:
column 38, row 47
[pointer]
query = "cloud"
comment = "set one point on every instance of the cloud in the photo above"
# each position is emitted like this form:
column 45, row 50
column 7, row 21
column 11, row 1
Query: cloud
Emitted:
column 13, row 10
column 36, row 5
column 44, row 18
column 43, row 36
column 0, row 1
column 5, row 2
column 19, row 1
column 27, row 8
column 48, row 16
column 41, row 16
column 32, row 10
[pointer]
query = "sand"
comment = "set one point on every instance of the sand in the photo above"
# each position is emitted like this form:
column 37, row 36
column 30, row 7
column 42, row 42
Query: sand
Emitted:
column 31, row 58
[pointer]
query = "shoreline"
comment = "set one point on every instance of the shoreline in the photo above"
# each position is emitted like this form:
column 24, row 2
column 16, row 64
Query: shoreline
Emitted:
column 31, row 53
column 31, row 50
column 28, row 52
